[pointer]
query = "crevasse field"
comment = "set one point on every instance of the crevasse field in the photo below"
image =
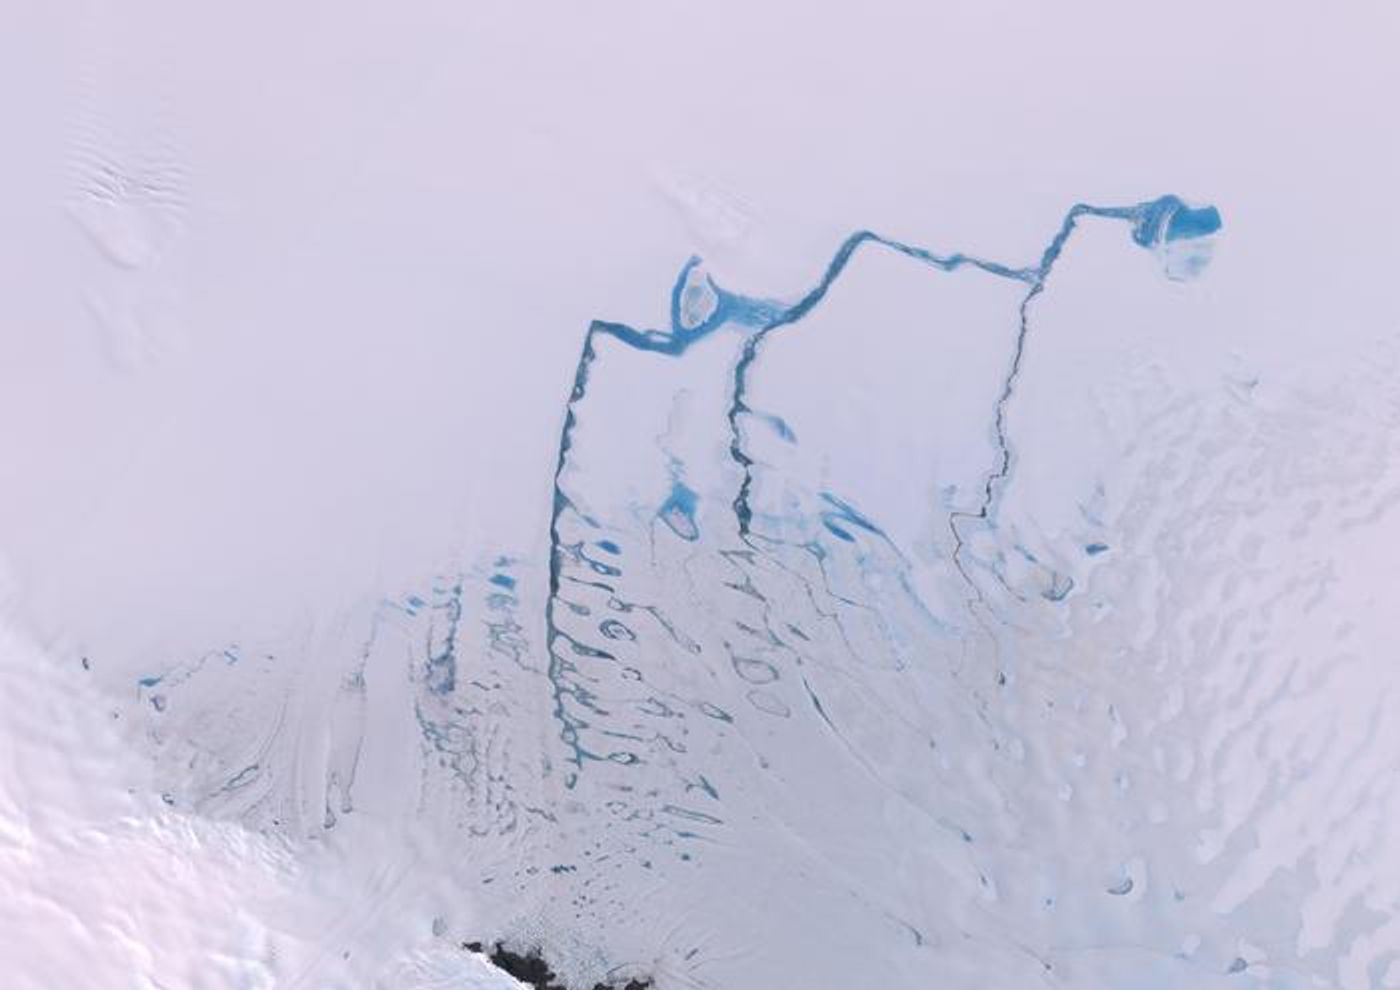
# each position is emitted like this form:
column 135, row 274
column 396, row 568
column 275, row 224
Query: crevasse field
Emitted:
column 723, row 496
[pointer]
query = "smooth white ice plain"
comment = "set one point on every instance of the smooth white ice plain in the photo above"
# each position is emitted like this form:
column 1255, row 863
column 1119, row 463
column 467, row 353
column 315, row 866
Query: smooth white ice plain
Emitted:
column 936, row 637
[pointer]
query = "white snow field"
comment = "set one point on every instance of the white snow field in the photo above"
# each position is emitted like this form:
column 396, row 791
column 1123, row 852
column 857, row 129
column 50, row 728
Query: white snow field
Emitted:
column 728, row 496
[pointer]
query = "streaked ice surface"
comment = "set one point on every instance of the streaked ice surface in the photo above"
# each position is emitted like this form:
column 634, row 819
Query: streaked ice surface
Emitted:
column 692, row 492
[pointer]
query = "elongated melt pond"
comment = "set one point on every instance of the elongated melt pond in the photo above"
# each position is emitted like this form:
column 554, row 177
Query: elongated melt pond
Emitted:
column 699, row 308
column 949, row 633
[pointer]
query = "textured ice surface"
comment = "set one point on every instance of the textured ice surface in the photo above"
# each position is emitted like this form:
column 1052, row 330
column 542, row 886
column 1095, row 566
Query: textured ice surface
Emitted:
column 105, row 886
column 930, row 582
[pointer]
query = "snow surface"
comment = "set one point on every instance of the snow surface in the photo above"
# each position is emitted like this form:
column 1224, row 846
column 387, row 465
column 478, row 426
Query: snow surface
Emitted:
column 104, row 886
column 687, row 488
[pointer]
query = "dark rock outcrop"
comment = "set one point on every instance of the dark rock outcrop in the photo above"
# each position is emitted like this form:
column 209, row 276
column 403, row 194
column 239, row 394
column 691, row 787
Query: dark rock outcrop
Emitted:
column 530, row 967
